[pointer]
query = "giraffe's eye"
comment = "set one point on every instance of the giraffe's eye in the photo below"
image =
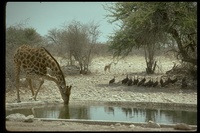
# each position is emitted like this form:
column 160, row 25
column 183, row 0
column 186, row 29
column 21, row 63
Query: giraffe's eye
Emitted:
column 62, row 86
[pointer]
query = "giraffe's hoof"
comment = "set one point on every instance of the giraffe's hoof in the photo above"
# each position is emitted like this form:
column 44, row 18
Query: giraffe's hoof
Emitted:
column 35, row 99
column 18, row 101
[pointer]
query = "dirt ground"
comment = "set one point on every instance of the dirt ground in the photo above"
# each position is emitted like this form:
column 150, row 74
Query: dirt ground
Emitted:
column 38, row 125
column 95, row 87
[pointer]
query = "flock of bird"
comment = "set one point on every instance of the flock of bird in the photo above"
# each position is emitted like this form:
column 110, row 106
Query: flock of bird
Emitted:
column 150, row 83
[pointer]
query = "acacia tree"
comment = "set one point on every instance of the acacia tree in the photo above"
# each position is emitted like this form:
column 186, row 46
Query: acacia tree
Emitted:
column 147, row 24
column 81, row 40
column 77, row 40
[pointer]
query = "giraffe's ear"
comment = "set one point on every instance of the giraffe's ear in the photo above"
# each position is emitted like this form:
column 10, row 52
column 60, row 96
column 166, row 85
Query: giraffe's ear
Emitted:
column 69, row 87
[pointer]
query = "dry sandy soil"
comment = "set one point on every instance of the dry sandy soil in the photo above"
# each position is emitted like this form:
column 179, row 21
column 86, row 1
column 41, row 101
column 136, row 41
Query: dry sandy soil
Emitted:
column 95, row 87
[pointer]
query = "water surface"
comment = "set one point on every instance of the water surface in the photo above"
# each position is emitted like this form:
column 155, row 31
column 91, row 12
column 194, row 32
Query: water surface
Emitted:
column 111, row 113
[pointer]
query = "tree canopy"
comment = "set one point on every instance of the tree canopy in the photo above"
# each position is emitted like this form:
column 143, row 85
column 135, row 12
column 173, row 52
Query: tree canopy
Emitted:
column 144, row 23
column 76, row 39
column 21, row 35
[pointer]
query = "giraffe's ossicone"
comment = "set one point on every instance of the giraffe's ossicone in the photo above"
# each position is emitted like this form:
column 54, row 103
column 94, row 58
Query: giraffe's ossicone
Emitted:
column 35, row 62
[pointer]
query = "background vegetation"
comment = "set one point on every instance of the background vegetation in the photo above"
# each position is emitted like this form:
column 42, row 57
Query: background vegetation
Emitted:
column 147, row 29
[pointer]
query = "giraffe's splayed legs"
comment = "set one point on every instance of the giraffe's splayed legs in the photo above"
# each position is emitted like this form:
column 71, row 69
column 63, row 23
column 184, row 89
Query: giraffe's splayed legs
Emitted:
column 35, row 62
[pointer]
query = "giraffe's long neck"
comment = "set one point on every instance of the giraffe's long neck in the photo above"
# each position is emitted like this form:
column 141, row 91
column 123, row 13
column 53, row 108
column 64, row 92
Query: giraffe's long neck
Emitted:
column 58, row 74
column 54, row 66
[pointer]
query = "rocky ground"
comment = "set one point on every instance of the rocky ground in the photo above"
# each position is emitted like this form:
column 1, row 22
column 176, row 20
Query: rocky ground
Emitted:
column 95, row 87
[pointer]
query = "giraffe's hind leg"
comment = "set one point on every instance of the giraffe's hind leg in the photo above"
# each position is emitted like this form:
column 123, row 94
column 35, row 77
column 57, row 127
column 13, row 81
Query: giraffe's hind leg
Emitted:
column 17, row 71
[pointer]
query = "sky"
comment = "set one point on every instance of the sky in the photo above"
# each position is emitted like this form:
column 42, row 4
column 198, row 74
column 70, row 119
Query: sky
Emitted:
column 45, row 16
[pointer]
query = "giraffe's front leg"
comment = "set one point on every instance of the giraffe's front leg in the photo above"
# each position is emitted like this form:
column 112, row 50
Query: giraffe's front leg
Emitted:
column 41, row 82
column 31, row 87
column 34, row 77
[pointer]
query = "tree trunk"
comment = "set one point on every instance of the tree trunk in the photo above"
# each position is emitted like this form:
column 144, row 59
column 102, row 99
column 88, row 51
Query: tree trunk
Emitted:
column 183, row 53
column 149, row 58
column 70, row 58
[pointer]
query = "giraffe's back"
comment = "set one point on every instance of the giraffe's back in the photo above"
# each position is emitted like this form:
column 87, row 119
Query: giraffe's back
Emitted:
column 32, row 59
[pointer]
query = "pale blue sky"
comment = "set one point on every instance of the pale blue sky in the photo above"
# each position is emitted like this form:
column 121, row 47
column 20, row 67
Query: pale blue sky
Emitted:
column 48, row 15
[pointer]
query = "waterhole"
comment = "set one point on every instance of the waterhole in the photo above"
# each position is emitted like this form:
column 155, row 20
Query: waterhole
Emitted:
column 111, row 113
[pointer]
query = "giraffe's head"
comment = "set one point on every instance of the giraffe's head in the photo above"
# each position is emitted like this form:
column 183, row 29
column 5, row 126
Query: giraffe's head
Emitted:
column 66, row 91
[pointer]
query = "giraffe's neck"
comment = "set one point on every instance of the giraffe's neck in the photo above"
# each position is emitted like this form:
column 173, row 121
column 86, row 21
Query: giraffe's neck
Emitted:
column 55, row 68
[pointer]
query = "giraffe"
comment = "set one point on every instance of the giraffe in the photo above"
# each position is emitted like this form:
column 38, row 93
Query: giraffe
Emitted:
column 35, row 62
